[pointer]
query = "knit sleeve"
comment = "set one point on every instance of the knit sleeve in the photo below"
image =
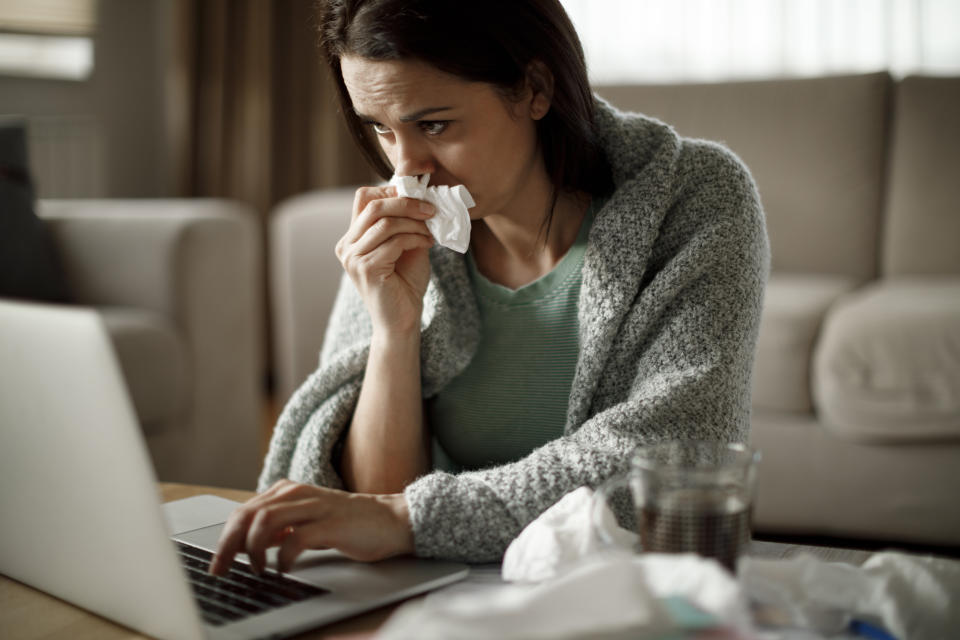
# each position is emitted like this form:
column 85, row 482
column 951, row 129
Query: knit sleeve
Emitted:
column 677, row 366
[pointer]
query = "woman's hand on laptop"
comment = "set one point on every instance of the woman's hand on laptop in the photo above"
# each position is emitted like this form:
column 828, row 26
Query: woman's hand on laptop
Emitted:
column 297, row 517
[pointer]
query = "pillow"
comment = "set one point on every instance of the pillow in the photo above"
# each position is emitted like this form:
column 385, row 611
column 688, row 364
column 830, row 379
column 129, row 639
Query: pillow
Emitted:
column 30, row 267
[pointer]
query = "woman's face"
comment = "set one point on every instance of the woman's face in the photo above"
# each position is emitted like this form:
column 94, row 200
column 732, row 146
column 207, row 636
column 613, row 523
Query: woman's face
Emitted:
column 461, row 132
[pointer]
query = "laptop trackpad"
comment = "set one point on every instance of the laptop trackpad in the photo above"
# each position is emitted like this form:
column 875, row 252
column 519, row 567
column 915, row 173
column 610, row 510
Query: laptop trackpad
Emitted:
column 197, row 512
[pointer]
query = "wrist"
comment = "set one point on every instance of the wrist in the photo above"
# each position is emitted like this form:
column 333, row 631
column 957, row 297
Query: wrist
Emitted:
column 398, row 327
column 399, row 510
column 396, row 339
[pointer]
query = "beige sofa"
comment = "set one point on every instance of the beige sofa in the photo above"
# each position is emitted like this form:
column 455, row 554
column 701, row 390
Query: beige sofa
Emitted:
column 178, row 284
column 857, row 376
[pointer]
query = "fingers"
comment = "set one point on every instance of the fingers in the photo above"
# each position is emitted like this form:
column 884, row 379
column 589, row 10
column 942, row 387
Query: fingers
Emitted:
column 380, row 264
column 377, row 212
column 365, row 195
column 233, row 538
column 273, row 524
column 385, row 229
column 298, row 517
column 296, row 542
column 379, row 236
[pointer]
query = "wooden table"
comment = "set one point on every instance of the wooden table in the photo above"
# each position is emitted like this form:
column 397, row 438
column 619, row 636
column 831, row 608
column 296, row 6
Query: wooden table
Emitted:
column 26, row 613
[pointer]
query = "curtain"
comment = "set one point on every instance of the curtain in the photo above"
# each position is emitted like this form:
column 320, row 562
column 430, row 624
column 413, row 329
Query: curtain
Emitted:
column 252, row 110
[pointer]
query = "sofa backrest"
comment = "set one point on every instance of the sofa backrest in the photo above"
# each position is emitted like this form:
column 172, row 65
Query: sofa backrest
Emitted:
column 304, row 277
column 922, row 230
column 816, row 148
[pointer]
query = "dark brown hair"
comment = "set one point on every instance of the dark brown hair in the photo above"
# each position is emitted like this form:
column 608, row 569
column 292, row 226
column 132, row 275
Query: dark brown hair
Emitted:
column 499, row 42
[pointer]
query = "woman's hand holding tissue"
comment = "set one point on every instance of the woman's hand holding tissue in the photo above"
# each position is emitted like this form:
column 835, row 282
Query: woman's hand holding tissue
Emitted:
column 296, row 517
column 385, row 254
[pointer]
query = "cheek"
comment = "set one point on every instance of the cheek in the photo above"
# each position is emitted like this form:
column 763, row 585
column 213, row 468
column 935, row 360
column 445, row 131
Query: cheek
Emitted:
column 505, row 159
column 456, row 164
column 488, row 164
column 389, row 150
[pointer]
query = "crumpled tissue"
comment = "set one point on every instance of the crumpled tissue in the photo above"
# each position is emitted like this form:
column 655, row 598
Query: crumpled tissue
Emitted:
column 563, row 535
column 566, row 583
column 912, row 597
column 594, row 598
column 450, row 225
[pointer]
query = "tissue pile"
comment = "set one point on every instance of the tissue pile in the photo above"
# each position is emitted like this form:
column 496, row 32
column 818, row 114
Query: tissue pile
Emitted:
column 450, row 225
column 560, row 581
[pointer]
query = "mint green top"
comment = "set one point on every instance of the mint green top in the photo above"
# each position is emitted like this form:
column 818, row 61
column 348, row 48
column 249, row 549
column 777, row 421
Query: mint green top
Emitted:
column 513, row 396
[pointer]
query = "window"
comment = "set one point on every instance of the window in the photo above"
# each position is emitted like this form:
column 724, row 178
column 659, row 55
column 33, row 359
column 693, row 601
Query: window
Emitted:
column 47, row 38
column 705, row 40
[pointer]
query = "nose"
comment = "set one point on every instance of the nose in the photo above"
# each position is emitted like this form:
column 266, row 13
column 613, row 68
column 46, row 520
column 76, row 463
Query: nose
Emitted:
column 412, row 158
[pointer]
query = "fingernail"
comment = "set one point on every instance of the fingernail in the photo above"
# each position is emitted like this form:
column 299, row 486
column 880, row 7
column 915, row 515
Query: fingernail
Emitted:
column 427, row 208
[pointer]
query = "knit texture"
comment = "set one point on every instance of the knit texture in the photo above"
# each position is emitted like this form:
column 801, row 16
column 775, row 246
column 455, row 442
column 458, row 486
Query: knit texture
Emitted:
column 673, row 281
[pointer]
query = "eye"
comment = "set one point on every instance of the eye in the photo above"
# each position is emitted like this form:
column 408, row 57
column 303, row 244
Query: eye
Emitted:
column 378, row 128
column 433, row 127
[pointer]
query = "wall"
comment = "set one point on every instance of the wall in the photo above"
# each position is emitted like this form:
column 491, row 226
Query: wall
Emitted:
column 103, row 137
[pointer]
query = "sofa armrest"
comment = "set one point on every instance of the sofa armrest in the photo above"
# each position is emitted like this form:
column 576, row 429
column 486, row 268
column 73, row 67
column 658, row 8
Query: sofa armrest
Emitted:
column 196, row 263
column 137, row 252
column 304, row 278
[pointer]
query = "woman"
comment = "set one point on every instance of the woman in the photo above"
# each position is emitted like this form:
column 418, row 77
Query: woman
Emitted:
column 610, row 296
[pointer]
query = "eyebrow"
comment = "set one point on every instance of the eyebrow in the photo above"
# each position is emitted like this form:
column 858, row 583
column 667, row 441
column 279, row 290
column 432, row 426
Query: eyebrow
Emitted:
column 412, row 117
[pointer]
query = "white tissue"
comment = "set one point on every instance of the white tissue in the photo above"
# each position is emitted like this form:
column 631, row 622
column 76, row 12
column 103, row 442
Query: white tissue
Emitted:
column 450, row 225
column 917, row 596
column 595, row 598
column 560, row 538
column 912, row 597
column 565, row 537
column 803, row 592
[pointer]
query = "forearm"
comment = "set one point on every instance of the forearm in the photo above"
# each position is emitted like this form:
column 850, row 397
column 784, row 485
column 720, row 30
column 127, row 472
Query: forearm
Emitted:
column 386, row 446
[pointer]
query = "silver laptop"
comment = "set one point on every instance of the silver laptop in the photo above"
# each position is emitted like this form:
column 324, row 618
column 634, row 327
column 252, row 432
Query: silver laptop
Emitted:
column 80, row 516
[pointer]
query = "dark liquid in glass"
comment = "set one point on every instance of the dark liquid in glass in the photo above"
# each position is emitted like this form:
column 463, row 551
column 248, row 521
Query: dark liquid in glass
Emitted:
column 709, row 523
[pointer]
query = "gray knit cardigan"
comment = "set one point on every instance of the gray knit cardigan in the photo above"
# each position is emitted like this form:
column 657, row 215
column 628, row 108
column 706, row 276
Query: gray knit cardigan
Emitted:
column 673, row 282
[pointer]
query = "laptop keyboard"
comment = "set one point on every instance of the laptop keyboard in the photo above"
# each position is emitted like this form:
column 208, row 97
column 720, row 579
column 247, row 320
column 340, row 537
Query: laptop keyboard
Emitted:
column 240, row 593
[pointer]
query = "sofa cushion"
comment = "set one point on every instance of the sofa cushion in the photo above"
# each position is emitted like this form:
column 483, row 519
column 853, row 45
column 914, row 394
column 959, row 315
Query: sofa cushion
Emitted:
column 887, row 367
column 811, row 482
column 793, row 310
column 303, row 233
column 922, row 233
column 29, row 265
column 154, row 364
column 815, row 146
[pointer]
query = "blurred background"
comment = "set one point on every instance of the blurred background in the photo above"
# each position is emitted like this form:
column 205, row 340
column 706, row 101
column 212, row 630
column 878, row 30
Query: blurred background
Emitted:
column 154, row 100
column 228, row 99
column 157, row 98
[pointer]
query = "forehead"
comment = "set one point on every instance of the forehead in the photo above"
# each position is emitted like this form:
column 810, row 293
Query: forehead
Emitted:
column 395, row 87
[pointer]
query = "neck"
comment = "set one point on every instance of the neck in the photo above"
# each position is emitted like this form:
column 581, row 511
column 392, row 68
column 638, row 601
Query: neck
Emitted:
column 510, row 248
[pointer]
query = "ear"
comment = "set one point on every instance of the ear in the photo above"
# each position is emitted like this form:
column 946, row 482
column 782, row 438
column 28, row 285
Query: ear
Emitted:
column 540, row 87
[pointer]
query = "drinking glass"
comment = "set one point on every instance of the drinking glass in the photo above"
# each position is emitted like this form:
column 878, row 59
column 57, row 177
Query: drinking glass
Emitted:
column 687, row 496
